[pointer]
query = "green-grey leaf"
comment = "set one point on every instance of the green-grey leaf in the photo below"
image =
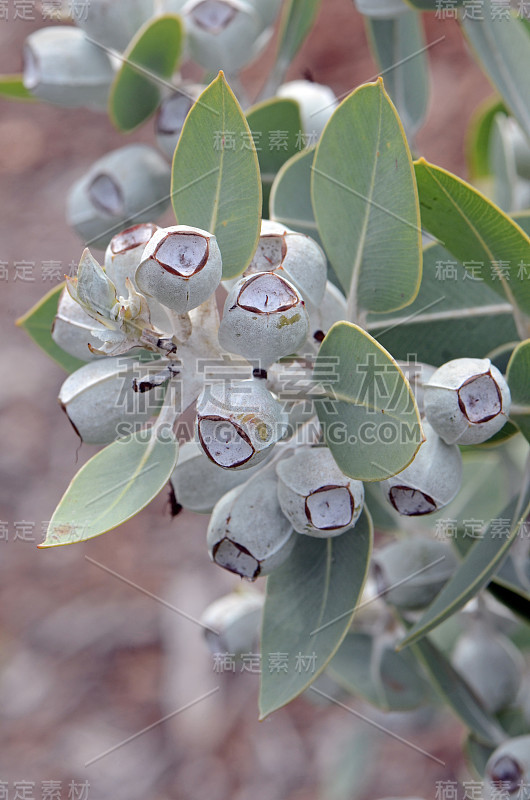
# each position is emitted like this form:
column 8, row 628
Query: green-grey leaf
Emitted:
column 500, row 43
column 478, row 136
column 476, row 232
column 309, row 607
column 366, row 204
column 378, row 674
column 366, row 408
column 457, row 694
column 290, row 199
column 216, row 182
column 453, row 316
column 148, row 64
column 38, row 324
column 297, row 19
column 522, row 218
column 502, row 160
column 264, row 119
column 12, row 88
column 398, row 46
column 112, row 487
column 476, row 570
column 518, row 376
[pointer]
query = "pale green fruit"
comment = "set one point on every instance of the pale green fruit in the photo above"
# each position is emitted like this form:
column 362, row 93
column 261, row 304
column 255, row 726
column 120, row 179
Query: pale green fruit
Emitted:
column 181, row 267
column 125, row 187
column 410, row 573
column 100, row 402
column 231, row 624
column 72, row 328
column 267, row 9
column 418, row 374
column 224, row 34
column 491, row 665
column 264, row 319
column 171, row 115
column 294, row 256
column 239, row 423
column 467, row 401
column 113, row 24
column 199, row 483
column 382, row 8
column 248, row 534
column 315, row 496
column 317, row 103
column 123, row 254
column 62, row 67
column 508, row 769
column 430, row 482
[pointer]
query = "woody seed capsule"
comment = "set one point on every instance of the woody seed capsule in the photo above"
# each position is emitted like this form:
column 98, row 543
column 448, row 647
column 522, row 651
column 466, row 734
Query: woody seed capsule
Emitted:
column 508, row 768
column 231, row 624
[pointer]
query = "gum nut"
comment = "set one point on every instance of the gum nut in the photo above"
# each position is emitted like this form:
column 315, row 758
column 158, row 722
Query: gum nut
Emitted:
column 467, row 401
column 171, row 115
column 62, row 67
column 125, row 187
column 199, row 484
column 239, row 423
column 267, row 9
column 299, row 258
column 268, row 228
column 232, row 623
column 248, row 534
column 317, row 103
column 223, row 34
column 264, row 319
column 181, row 267
column 100, row 402
column 491, row 665
column 431, row 564
column 124, row 253
column 430, row 482
column 332, row 309
column 315, row 496
column 72, row 329
column 113, row 24
column 508, row 768
column 381, row 8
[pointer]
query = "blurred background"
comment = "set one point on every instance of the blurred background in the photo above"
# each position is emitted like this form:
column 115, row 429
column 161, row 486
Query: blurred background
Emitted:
column 87, row 659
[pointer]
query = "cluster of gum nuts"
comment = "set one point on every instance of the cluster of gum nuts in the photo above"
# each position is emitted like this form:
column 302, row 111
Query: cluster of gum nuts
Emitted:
column 282, row 304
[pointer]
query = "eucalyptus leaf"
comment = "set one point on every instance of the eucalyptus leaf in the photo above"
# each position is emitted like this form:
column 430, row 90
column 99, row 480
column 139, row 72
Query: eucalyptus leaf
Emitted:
column 502, row 159
column 476, row 570
column 366, row 205
column 38, row 324
column 216, row 181
column 518, row 376
column 399, row 48
column 366, row 408
column 479, row 134
column 500, row 43
column 148, row 64
column 297, row 19
column 476, row 232
column 12, row 88
column 264, row 120
column 112, row 487
column 290, row 198
column 309, row 607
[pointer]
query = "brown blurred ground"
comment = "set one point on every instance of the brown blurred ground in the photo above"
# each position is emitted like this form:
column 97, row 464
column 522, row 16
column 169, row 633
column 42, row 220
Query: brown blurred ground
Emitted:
column 86, row 660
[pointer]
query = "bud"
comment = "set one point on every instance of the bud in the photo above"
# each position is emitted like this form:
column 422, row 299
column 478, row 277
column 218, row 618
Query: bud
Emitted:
column 236, row 619
column 386, row 9
column 264, row 319
column 181, row 267
column 430, row 482
column 508, row 768
column 224, row 34
column 248, row 534
column 467, row 401
column 125, row 187
column 114, row 24
column 199, row 483
column 315, row 496
column 410, row 573
column 294, row 256
column 491, row 665
column 100, row 402
column 239, row 423
column 72, row 328
column 171, row 116
column 317, row 104
column 62, row 67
